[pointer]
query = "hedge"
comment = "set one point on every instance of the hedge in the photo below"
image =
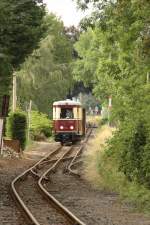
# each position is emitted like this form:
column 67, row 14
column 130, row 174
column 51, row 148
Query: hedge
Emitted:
column 17, row 127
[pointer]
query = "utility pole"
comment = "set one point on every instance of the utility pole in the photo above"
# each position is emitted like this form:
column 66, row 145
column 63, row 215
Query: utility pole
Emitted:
column 29, row 119
column 14, row 93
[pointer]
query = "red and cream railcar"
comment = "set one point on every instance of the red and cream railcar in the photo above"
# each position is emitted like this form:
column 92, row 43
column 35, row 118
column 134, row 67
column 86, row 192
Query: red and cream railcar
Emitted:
column 69, row 121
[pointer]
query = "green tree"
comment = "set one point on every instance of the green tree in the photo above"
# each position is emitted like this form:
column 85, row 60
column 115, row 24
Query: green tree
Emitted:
column 115, row 58
column 21, row 27
column 46, row 75
column 113, row 55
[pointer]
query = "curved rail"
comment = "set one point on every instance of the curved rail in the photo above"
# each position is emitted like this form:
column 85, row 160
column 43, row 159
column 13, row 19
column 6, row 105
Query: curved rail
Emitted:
column 33, row 170
column 71, row 216
column 22, row 176
column 69, row 168
column 73, row 219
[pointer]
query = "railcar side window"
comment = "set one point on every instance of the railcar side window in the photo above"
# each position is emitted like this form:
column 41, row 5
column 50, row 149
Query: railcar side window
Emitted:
column 66, row 113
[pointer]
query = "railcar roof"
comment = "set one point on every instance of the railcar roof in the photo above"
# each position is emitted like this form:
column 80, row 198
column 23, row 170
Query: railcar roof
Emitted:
column 66, row 102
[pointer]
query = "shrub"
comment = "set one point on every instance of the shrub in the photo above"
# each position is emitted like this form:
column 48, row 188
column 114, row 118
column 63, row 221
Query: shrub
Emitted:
column 131, row 150
column 40, row 125
column 101, row 164
column 17, row 127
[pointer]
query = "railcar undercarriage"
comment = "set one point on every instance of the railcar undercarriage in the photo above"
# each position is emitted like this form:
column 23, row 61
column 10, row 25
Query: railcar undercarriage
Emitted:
column 67, row 137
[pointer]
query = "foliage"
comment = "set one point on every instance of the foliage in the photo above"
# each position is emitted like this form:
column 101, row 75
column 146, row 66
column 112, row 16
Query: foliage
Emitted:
column 17, row 127
column 5, row 77
column 101, row 168
column 115, row 58
column 112, row 179
column 111, row 54
column 40, row 124
column 46, row 74
column 131, row 148
column 21, row 27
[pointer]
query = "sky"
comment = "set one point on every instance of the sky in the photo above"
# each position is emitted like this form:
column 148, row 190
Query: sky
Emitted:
column 67, row 10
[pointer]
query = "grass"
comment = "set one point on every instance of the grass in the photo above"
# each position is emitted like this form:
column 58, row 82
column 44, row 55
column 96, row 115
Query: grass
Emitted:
column 94, row 150
column 103, row 173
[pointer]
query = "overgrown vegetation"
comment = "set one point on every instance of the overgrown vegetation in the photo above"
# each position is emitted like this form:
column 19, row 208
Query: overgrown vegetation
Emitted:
column 40, row 125
column 112, row 179
column 17, row 127
column 114, row 50
column 101, row 168
column 130, row 146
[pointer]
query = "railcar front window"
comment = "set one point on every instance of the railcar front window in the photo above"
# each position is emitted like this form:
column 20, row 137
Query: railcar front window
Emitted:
column 66, row 113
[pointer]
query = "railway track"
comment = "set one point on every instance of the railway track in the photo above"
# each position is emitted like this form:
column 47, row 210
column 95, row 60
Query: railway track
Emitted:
column 75, row 160
column 40, row 207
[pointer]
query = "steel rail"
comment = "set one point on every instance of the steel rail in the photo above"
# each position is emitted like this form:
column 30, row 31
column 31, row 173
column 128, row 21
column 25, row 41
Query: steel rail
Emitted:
column 65, row 211
column 35, row 174
column 32, row 171
column 20, row 177
column 69, row 168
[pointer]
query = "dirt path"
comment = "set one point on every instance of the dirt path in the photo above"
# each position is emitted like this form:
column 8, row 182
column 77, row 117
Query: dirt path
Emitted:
column 92, row 206
column 9, row 169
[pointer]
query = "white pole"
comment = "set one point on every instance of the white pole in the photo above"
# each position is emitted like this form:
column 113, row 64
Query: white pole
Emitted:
column 14, row 93
column 29, row 119
column 147, row 77
column 109, row 109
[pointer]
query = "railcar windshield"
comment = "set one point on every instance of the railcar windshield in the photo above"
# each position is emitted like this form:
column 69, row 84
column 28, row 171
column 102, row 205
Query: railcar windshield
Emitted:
column 66, row 113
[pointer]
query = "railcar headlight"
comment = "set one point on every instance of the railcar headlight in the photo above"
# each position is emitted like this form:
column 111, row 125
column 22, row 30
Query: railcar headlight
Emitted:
column 61, row 127
column 71, row 127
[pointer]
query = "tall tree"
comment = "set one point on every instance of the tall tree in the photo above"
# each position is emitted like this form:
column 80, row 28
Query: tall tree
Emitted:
column 115, row 57
column 46, row 75
column 21, row 27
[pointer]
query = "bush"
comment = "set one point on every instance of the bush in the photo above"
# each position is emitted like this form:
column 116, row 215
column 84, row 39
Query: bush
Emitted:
column 40, row 125
column 101, row 165
column 112, row 179
column 130, row 147
column 17, row 127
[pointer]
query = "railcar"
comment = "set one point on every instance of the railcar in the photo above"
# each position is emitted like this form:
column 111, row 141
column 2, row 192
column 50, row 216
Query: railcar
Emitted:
column 69, row 122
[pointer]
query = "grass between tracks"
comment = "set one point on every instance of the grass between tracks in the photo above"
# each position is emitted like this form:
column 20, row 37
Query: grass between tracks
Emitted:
column 104, row 174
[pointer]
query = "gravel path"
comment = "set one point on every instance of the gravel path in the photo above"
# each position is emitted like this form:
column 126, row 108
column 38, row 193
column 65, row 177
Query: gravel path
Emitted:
column 9, row 214
column 9, row 169
column 92, row 206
